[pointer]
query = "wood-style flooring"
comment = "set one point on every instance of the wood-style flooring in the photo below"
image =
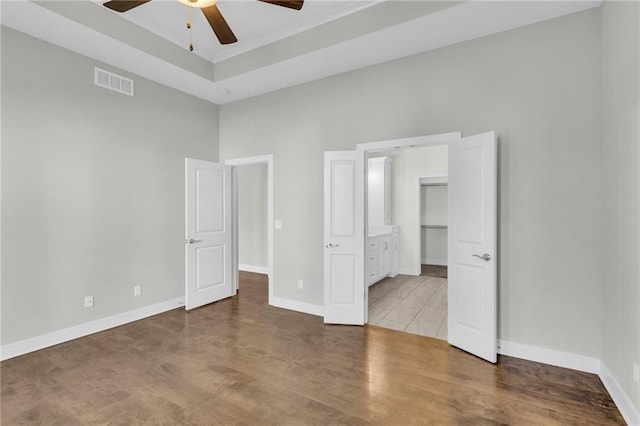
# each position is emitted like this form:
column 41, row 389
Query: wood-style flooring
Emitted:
column 242, row 362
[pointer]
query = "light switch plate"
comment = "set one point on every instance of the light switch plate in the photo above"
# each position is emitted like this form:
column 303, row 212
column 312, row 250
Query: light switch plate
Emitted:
column 277, row 224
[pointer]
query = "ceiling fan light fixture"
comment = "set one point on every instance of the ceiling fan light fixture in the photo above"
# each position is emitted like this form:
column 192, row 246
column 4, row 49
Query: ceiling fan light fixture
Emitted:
column 199, row 3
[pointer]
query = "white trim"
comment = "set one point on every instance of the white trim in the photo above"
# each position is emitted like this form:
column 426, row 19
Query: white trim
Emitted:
column 438, row 180
column 576, row 362
column 268, row 160
column 247, row 161
column 22, row 347
column 252, row 268
column 630, row 414
column 439, row 262
column 440, row 139
column 234, row 229
column 549, row 356
column 295, row 305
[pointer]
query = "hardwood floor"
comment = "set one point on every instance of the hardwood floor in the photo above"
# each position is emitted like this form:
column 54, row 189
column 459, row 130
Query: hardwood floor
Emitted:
column 242, row 362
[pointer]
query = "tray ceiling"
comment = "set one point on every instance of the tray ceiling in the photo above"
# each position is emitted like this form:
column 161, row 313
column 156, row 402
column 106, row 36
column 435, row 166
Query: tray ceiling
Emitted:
column 276, row 47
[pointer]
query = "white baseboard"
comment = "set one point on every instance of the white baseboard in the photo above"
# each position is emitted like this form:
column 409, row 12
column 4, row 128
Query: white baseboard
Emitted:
column 576, row 362
column 294, row 305
column 429, row 261
column 22, row 347
column 549, row 356
column 256, row 269
column 630, row 413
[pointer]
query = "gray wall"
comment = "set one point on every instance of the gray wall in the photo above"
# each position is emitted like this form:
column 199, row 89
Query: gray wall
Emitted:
column 621, row 158
column 92, row 188
column 252, row 215
column 538, row 87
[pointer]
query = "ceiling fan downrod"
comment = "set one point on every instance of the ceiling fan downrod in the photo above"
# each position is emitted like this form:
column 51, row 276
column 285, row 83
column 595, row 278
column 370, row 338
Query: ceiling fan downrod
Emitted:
column 189, row 16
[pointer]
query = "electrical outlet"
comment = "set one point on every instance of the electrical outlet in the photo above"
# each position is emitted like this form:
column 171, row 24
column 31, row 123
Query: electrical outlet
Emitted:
column 88, row 302
column 137, row 290
column 300, row 284
column 636, row 372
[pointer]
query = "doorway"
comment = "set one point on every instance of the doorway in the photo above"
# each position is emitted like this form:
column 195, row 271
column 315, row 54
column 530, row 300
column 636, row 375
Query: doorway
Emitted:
column 253, row 209
column 413, row 298
column 472, row 226
column 252, row 218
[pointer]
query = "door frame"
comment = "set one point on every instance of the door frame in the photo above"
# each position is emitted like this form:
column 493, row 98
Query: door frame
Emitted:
column 365, row 148
column 249, row 161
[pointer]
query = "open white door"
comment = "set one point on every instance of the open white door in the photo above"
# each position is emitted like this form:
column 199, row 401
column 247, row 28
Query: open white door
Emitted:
column 472, row 245
column 209, row 233
column 344, row 298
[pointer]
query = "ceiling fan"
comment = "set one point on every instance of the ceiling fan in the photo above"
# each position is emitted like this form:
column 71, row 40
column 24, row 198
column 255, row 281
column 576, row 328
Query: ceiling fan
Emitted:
column 210, row 11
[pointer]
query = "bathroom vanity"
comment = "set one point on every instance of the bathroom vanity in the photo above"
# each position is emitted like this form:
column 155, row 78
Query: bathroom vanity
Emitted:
column 382, row 253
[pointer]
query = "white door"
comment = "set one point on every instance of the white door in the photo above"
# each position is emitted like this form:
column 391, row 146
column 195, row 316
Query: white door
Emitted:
column 472, row 245
column 344, row 289
column 209, row 233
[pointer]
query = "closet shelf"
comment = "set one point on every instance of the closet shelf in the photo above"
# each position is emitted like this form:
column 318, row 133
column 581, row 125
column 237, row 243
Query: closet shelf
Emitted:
column 434, row 226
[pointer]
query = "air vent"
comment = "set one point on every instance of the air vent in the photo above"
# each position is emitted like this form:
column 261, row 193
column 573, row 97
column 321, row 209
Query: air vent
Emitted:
column 112, row 81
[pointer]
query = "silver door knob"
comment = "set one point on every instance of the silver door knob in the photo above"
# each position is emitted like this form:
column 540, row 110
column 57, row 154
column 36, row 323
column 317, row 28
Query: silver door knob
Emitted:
column 192, row 241
column 484, row 257
column 330, row 245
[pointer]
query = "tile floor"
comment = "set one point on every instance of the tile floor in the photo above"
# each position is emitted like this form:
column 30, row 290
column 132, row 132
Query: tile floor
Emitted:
column 415, row 305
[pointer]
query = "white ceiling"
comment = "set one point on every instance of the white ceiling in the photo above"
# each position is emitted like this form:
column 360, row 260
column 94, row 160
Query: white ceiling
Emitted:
column 257, row 64
column 253, row 22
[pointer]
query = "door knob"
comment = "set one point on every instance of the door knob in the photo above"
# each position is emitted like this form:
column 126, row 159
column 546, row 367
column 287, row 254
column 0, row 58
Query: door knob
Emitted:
column 330, row 245
column 484, row 257
column 192, row 241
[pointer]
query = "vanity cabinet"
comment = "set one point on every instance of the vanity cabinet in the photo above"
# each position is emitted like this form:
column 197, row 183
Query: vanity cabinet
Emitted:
column 379, row 191
column 382, row 254
column 385, row 254
column 373, row 263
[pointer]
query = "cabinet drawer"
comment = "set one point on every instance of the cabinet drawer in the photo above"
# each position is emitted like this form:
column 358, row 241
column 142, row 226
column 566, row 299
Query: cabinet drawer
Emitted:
column 372, row 272
column 372, row 245
column 372, row 265
column 372, row 256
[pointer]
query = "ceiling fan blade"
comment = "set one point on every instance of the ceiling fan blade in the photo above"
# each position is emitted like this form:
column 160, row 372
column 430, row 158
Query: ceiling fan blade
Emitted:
column 219, row 25
column 291, row 4
column 123, row 5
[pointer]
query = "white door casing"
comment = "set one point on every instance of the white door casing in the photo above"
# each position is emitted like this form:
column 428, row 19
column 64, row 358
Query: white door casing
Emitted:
column 472, row 290
column 344, row 296
column 247, row 161
column 209, row 233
